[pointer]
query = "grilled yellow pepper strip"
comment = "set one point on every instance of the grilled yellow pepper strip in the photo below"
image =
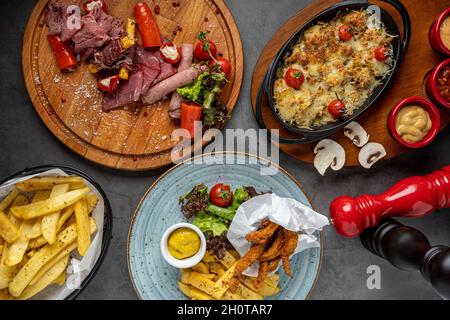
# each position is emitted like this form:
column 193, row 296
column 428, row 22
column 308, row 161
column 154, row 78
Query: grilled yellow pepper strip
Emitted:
column 129, row 40
column 123, row 73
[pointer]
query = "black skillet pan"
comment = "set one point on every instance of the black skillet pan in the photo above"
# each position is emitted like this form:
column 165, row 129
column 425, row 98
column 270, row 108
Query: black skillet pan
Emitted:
column 107, row 224
column 400, row 46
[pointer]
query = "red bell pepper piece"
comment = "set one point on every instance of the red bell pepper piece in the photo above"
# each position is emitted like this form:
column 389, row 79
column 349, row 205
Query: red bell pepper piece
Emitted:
column 190, row 113
column 64, row 56
column 170, row 53
column 110, row 84
column 88, row 6
column 151, row 35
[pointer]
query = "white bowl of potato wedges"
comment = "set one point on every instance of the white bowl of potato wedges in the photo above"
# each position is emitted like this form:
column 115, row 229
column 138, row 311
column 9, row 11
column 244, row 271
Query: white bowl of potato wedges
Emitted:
column 55, row 228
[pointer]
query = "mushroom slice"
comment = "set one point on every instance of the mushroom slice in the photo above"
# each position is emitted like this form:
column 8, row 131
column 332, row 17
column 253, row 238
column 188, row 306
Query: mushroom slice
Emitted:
column 355, row 132
column 328, row 153
column 370, row 154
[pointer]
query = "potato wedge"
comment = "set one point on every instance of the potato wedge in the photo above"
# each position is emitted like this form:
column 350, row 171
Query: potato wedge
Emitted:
column 4, row 204
column 49, row 277
column 47, row 183
column 193, row 293
column 228, row 260
column 49, row 223
column 50, row 205
column 217, row 268
column 185, row 273
column 37, row 243
column 51, row 263
column 61, row 279
column 8, row 230
column 266, row 290
column 18, row 248
column 209, row 257
column 4, row 294
column 92, row 201
column 247, row 294
column 197, row 280
column 228, row 295
column 66, row 213
column 82, row 220
column 6, row 273
column 35, row 230
column 201, row 267
column 221, row 285
column 28, row 272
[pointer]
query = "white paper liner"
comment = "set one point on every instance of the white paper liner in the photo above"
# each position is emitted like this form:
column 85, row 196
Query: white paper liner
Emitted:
column 79, row 267
column 286, row 212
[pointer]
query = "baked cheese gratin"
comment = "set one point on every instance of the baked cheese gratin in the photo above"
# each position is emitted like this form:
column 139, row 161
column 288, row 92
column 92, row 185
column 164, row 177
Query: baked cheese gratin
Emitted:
column 332, row 69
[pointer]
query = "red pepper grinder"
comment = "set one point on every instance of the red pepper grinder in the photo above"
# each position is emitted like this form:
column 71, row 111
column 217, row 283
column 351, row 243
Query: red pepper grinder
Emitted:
column 410, row 197
column 408, row 249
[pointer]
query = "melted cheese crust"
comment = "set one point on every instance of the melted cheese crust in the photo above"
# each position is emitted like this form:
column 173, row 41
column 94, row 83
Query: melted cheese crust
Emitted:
column 333, row 69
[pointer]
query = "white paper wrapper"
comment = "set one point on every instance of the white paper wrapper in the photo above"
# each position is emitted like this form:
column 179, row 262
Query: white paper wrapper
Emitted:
column 79, row 267
column 286, row 212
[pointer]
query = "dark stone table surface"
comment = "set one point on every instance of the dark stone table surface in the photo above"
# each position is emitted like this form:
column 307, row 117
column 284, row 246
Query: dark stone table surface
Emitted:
column 26, row 142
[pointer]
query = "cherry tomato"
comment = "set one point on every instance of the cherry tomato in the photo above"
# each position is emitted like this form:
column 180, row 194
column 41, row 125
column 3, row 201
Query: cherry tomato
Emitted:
column 294, row 78
column 344, row 33
column 221, row 195
column 381, row 53
column 224, row 65
column 336, row 108
column 203, row 48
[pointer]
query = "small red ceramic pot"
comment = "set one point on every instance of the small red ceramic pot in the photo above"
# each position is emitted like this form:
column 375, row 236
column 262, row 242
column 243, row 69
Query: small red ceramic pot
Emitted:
column 432, row 88
column 434, row 34
column 432, row 111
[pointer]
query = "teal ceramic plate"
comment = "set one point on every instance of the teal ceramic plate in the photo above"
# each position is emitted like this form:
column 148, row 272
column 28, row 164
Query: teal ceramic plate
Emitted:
column 152, row 277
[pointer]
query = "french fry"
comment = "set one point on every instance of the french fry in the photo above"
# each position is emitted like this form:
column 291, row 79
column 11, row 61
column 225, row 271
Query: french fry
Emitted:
column 8, row 230
column 92, row 201
column 9, row 199
column 49, row 277
column 50, row 205
column 51, row 263
column 201, row 267
column 193, row 293
column 66, row 213
column 31, row 253
column 37, row 243
column 197, row 280
column 228, row 260
column 246, row 293
column 28, row 272
column 49, row 222
column 35, row 230
column 47, row 183
column 4, row 294
column 61, row 279
column 228, row 295
column 221, row 285
column 82, row 220
column 17, row 249
column 185, row 273
column 6, row 273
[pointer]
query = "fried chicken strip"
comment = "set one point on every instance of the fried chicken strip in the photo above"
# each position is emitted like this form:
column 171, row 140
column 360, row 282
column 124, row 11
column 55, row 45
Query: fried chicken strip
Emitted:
column 273, row 264
column 262, row 235
column 243, row 263
column 263, row 271
column 290, row 243
column 275, row 249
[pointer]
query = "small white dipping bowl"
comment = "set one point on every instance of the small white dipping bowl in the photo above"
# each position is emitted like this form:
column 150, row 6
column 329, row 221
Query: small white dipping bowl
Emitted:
column 188, row 262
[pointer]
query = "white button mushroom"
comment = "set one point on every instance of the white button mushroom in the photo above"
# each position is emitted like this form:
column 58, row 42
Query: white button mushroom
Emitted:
column 355, row 132
column 328, row 153
column 370, row 154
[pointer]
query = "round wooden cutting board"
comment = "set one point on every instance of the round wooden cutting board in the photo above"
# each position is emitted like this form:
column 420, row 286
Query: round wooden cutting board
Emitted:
column 134, row 137
column 408, row 80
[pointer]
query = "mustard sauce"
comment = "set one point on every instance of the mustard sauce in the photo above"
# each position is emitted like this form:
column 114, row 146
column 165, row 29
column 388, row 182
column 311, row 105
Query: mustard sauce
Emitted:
column 183, row 243
column 413, row 123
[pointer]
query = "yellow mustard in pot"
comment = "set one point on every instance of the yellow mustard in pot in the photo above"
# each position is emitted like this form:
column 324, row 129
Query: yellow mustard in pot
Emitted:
column 413, row 123
column 183, row 243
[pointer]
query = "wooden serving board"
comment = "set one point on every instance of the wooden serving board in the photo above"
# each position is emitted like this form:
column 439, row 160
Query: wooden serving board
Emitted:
column 135, row 137
column 408, row 81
